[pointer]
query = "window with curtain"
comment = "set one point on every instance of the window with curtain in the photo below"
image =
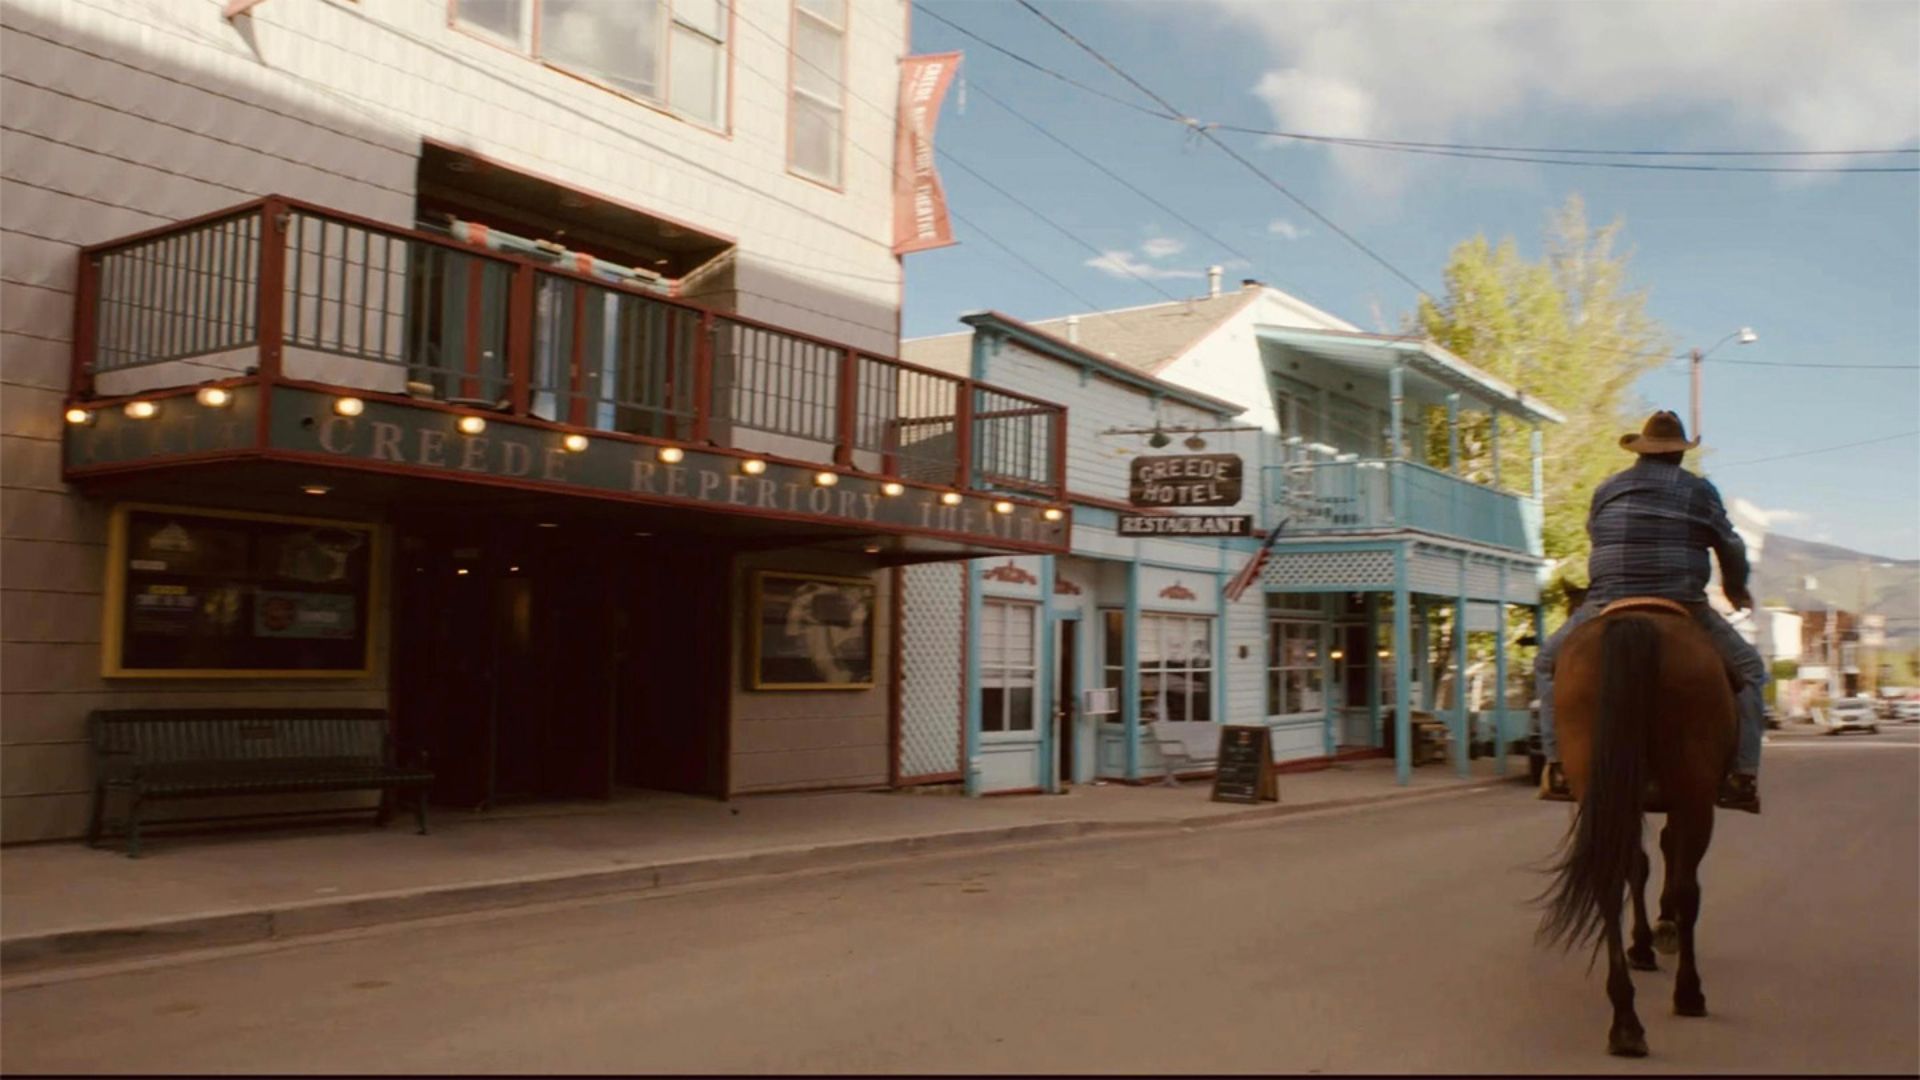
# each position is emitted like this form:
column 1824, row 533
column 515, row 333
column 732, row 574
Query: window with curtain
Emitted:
column 1176, row 668
column 816, row 112
column 672, row 53
column 1296, row 679
column 1007, row 666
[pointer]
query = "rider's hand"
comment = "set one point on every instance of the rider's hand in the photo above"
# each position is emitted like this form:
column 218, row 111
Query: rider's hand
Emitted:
column 1741, row 599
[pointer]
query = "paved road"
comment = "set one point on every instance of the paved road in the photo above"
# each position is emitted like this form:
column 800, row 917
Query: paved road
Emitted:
column 1394, row 940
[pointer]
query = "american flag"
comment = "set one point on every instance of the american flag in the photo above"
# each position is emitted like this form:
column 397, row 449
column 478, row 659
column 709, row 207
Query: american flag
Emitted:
column 1250, row 573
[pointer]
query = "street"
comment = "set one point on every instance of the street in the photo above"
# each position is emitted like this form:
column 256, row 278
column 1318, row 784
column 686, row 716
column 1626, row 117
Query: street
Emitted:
column 1390, row 940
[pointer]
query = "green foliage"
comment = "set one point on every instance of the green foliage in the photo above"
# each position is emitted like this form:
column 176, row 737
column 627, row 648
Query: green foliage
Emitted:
column 1568, row 329
column 1783, row 671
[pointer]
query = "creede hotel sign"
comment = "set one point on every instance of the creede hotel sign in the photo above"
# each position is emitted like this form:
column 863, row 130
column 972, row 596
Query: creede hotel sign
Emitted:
column 1184, row 480
column 419, row 441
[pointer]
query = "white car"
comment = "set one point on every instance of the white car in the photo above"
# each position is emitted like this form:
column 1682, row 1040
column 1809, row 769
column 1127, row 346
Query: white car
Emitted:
column 1908, row 711
column 1851, row 714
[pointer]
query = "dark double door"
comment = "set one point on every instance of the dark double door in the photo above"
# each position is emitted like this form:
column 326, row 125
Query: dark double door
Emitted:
column 538, row 663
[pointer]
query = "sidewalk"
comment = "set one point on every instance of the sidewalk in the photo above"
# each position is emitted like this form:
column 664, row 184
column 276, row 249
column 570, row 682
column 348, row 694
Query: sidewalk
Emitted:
column 68, row 904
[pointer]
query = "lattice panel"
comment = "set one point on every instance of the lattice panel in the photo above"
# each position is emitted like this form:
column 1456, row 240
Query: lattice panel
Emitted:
column 1431, row 572
column 1349, row 569
column 932, row 661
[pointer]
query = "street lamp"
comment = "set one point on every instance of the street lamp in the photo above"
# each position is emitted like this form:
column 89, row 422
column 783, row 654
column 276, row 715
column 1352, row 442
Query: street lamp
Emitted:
column 1745, row 336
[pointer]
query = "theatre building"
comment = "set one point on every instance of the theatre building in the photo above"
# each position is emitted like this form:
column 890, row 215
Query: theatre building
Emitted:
column 530, row 379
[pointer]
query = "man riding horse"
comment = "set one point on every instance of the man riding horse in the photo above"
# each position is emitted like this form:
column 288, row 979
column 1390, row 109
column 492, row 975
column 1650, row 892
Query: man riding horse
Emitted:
column 1651, row 527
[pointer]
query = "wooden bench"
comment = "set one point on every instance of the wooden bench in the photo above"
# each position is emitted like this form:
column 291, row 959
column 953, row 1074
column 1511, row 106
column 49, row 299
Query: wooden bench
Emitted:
column 1184, row 744
column 161, row 754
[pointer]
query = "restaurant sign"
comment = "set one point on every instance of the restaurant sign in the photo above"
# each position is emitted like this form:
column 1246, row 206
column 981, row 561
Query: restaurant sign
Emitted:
column 1184, row 480
column 1186, row 525
column 420, row 441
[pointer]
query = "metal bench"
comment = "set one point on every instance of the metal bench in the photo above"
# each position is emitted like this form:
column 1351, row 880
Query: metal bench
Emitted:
column 1183, row 744
column 159, row 754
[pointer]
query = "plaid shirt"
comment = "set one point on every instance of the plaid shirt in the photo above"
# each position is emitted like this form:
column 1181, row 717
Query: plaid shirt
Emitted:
column 1651, row 527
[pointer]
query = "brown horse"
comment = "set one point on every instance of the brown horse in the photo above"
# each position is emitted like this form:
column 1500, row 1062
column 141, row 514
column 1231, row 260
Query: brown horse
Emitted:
column 1646, row 724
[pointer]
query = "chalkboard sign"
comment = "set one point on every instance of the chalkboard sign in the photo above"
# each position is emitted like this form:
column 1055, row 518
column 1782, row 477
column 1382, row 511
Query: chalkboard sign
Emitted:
column 1245, row 771
column 209, row 593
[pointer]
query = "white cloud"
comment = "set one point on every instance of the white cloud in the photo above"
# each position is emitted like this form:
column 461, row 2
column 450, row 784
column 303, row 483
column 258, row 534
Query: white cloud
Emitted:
column 1161, row 247
column 1740, row 508
column 1284, row 228
column 1125, row 264
column 1791, row 74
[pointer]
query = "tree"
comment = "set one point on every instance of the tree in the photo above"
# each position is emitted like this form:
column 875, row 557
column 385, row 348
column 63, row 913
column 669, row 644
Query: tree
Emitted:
column 1568, row 329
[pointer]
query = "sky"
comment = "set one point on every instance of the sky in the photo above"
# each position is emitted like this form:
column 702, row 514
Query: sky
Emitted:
column 1824, row 268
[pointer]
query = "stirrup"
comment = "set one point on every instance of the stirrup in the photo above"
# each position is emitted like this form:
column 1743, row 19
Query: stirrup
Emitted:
column 1739, row 792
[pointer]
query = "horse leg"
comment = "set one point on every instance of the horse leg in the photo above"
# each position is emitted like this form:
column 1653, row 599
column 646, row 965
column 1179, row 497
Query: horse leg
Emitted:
column 1666, row 933
column 1691, row 844
column 1640, row 956
column 1627, row 1038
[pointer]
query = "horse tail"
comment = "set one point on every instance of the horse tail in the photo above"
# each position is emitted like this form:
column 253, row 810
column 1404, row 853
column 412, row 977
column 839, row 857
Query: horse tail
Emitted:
column 1591, row 874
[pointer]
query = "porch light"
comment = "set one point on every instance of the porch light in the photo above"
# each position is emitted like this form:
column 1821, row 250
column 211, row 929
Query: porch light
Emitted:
column 575, row 443
column 824, row 478
column 753, row 466
column 213, row 397
column 672, row 455
column 1003, row 507
column 79, row 416
column 1053, row 513
column 950, row 498
column 141, row 410
column 892, row 488
column 472, row 425
column 349, row 406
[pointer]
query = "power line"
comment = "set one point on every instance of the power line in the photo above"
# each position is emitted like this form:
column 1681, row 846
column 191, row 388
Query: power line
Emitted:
column 1413, row 145
column 1206, row 133
column 1116, row 177
column 1364, row 144
column 1024, row 261
column 1042, row 68
column 1821, row 450
column 1823, row 367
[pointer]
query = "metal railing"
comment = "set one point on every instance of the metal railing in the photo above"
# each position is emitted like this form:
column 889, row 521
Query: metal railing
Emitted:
column 1355, row 496
column 304, row 293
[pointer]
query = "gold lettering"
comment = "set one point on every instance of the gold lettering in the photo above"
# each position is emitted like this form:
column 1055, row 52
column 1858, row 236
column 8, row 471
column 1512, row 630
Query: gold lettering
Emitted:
column 768, row 490
column 386, row 442
column 643, row 475
column 737, row 490
column 474, row 457
column 820, row 500
column 709, row 483
column 847, row 501
column 677, row 480
column 556, row 465
column 432, row 445
column 516, row 459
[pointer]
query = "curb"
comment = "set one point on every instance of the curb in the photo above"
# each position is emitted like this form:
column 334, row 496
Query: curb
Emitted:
column 37, row 953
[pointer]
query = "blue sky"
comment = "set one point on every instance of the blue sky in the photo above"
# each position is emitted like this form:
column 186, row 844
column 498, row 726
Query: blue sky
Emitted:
column 1825, row 268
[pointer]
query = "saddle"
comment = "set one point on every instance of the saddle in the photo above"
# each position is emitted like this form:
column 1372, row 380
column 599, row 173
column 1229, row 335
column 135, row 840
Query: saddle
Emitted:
column 1660, row 605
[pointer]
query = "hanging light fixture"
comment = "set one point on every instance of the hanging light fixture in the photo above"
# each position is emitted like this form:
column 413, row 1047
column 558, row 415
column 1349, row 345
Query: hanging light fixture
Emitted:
column 1159, row 438
column 1195, row 442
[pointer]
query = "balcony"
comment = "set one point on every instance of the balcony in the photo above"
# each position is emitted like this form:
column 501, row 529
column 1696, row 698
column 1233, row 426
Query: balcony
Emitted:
column 288, row 307
column 1331, row 497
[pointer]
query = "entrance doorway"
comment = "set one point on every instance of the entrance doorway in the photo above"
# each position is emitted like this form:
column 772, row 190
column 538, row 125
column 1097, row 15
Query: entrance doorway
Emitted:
column 1066, row 688
column 558, row 661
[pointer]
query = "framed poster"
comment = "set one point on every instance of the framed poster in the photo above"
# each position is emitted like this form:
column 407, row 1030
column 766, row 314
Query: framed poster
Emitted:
column 811, row 632
column 216, row 593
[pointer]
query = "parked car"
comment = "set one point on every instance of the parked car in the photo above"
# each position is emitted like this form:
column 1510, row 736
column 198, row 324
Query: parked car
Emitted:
column 1851, row 714
column 1908, row 711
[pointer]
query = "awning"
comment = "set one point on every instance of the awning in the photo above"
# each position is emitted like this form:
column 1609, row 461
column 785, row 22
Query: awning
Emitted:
column 1429, row 367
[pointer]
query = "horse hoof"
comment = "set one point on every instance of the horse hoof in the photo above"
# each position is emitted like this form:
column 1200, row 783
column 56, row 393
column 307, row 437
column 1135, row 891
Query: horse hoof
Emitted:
column 1633, row 1044
column 1690, row 1008
column 1666, row 936
column 1644, row 962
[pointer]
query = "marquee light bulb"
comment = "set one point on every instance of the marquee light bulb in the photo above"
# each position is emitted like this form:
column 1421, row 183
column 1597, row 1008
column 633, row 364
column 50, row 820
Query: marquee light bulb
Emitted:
column 473, row 425
column 753, row 466
column 892, row 488
column 672, row 455
column 213, row 397
column 349, row 406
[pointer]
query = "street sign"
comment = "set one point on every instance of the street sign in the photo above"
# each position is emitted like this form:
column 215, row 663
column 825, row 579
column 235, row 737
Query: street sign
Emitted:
column 1184, row 480
column 1186, row 525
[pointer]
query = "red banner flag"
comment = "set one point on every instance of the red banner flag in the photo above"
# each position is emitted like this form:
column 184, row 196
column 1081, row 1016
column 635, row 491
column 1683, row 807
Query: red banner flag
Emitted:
column 919, row 203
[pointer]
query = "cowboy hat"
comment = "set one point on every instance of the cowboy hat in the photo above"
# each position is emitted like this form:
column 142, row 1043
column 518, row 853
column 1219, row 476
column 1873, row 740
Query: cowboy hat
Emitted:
column 1663, row 434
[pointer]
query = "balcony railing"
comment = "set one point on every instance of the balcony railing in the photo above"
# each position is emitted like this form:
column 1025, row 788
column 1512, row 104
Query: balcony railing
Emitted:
column 291, row 291
column 1363, row 496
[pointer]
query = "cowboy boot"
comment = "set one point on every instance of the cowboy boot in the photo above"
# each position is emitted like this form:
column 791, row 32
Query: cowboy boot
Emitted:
column 1740, row 791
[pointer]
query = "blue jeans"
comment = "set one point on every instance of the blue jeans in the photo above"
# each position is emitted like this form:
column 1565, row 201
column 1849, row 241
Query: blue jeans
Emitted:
column 1744, row 658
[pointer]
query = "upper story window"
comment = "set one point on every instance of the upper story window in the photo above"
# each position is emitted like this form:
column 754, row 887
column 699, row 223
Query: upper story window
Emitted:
column 672, row 53
column 816, row 112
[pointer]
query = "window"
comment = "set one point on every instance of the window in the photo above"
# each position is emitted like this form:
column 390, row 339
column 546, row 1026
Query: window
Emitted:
column 1176, row 668
column 669, row 52
column 1006, row 666
column 1113, row 657
column 1296, row 680
column 816, row 114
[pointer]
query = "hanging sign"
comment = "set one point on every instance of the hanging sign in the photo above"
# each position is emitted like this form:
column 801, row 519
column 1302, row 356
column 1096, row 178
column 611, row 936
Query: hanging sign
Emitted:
column 1245, row 770
column 1186, row 525
column 1184, row 480
column 920, row 217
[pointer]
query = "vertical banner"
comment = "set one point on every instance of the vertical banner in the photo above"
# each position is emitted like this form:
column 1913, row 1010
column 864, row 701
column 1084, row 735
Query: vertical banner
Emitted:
column 919, row 203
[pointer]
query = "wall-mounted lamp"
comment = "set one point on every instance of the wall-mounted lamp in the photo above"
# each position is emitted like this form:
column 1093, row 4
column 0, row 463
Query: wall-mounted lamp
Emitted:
column 574, row 443
column 349, row 406
column 950, row 498
column 672, row 455
column 79, row 416
column 214, row 397
column 472, row 425
column 823, row 478
column 893, row 488
column 141, row 410
column 753, row 466
column 1053, row 513
column 1003, row 507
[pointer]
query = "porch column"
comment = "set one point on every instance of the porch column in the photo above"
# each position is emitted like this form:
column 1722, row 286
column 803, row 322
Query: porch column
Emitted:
column 1396, row 481
column 1402, row 671
column 1500, row 677
column 1049, row 688
column 1130, row 674
column 1453, row 433
column 1374, row 682
column 972, row 711
column 1423, row 652
column 1462, row 715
